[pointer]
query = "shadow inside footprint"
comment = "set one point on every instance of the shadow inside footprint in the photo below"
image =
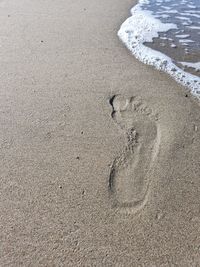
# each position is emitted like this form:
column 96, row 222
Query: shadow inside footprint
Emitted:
column 129, row 177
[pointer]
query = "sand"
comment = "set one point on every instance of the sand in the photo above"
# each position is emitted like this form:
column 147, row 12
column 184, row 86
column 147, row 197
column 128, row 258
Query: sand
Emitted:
column 99, row 152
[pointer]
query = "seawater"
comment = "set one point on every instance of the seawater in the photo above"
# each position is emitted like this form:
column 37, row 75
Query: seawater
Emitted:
column 166, row 34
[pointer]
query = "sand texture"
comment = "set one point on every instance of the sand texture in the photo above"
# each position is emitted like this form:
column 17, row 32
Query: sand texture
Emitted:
column 100, row 154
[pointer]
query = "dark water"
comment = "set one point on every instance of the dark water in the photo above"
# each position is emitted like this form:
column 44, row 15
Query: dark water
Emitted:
column 181, row 44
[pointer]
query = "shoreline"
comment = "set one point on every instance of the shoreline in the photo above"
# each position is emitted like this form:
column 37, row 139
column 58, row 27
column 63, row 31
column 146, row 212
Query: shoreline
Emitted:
column 140, row 28
column 99, row 152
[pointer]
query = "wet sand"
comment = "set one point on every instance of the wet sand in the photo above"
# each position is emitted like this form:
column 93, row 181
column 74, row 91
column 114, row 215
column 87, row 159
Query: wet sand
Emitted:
column 99, row 153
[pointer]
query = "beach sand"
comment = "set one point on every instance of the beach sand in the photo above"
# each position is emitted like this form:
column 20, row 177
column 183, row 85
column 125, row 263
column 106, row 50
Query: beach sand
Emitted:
column 99, row 152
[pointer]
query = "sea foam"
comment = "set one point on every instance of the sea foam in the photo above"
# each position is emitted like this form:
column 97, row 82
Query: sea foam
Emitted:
column 142, row 27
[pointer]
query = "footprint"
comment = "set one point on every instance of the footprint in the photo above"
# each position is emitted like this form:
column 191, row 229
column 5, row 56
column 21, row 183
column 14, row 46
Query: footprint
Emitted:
column 129, row 179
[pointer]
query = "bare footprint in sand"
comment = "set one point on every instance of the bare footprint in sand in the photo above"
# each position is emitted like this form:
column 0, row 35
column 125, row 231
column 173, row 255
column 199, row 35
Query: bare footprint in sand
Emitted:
column 129, row 179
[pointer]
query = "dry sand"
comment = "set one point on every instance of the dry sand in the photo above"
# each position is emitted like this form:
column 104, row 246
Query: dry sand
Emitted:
column 99, row 153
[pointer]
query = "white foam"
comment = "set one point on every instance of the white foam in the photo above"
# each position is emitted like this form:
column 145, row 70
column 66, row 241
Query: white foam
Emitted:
column 191, row 6
column 173, row 46
column 195, row 66
column 185, row 41
column 183, row 35
column 194, row 27
column 185, row 23
column 191, row 15
column 142, row 27
column 184, row 18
